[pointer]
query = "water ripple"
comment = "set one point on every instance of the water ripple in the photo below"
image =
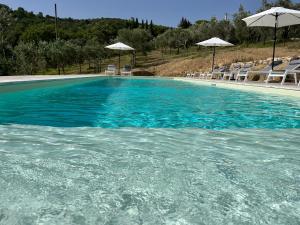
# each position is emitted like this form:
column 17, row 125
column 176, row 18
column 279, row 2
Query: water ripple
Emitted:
column 148, row 176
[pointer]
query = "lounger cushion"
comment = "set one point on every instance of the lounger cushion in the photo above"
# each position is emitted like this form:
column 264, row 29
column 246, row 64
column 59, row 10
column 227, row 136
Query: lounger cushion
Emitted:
column 295, row 62
column 277, row 63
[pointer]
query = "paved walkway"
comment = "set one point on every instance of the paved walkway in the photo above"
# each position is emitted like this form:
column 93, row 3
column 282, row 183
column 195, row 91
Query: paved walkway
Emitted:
column 271, row 88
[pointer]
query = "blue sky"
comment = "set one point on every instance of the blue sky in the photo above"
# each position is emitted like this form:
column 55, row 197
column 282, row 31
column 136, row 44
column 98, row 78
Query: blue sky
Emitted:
column 166, row 12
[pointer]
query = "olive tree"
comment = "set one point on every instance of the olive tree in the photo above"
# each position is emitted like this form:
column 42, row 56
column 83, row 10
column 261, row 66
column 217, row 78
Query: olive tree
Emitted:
column 139, row 39
column 94, row 52
column 5, row 47
column 29, row 58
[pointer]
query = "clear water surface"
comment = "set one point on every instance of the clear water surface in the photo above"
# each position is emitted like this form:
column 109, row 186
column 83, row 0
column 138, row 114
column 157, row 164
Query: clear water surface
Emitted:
column 147, row 151
column 146, row 103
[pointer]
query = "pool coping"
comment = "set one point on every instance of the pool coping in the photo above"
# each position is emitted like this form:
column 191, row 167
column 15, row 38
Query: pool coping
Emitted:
column 273, row 89
column 32, row 78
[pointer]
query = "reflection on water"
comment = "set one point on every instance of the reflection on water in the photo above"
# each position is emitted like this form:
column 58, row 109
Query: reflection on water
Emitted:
column 148, row 176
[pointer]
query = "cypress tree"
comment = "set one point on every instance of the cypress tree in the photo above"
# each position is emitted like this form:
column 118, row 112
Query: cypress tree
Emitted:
column 143, row 24
column 151, row 28
column 184, row 23
column 137, row 24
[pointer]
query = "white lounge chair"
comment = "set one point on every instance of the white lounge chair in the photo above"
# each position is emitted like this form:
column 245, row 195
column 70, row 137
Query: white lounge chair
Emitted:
column 244, row 72
column 111, row 70
column 193, row 75
column 126, row 71
column 231, row 74
column 190, row 74
column 265, row 71
column 291, row 69
column 202, row 75
column 217, row 73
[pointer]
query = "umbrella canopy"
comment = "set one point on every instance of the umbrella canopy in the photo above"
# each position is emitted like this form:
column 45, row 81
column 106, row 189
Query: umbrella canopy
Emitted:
column 214, row 42
column 275, row 17
column 121, row 47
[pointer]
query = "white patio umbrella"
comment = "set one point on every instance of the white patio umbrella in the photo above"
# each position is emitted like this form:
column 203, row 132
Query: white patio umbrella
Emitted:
column 214, row 42
column 121, row 47
column 275, row 17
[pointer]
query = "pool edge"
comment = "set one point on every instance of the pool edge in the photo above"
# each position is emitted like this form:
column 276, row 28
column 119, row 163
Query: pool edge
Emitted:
column 247, row 87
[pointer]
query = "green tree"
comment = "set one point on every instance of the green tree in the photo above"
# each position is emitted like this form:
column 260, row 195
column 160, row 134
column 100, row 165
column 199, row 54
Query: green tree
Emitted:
column 61, row 54
column 80, row 54
column 138, row 38
column 284, row 3
column 29, row 58
column 241, row 29
column 143, row 24
column 175, row 39
column 182, row 38
column 39, row 32
column 184, row 23
column 95, row 53
column 6, row 22
column 151, row 28
column 265, row 5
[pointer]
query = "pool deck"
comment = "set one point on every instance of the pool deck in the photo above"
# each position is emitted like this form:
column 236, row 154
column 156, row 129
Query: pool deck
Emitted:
column 271, row 88
column 16, row 79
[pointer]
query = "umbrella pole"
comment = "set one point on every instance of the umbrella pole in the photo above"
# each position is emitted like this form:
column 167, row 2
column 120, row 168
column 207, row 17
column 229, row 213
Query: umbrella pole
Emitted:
column 119, row 62
column 213, row 62
column 275, row 39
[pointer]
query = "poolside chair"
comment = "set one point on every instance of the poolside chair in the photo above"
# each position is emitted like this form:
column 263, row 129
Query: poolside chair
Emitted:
column 189, row 75
column 111, row 70
column 292, row 69
column 217, row 73
column 265, row 71
column 202, row 75
column 243, row 72
column 126, row 71
column 195, row 75
column 232, row 73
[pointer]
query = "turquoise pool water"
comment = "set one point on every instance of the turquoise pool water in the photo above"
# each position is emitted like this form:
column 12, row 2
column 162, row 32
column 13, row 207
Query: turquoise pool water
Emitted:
column 146, row 103
column 147, row 151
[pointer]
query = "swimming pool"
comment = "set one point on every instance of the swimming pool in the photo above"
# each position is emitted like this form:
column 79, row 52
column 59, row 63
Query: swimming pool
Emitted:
column 147, row 151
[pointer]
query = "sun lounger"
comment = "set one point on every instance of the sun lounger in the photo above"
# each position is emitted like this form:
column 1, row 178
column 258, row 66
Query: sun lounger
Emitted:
column 244, row 72
column 111, row 70
column 202, row 75
column 291, row 69
column 232, row 73
column 126, row 71
column 264, row 71
column 196, row 75
column 217, row 73
column 190, row 74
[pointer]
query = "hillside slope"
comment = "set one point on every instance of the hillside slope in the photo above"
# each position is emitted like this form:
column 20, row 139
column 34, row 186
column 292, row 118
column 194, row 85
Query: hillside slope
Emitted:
column 200, row 60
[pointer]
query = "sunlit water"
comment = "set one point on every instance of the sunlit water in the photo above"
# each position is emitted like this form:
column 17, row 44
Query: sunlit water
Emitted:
column 147, row 151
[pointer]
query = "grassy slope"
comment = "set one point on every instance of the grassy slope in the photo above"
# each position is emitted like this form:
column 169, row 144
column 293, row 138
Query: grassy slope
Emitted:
column 195, row 59
column 200, row 59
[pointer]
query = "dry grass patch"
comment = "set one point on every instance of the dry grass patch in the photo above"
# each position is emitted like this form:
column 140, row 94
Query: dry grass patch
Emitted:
column 180, row 66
